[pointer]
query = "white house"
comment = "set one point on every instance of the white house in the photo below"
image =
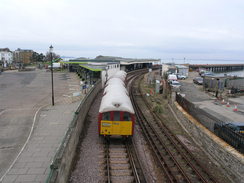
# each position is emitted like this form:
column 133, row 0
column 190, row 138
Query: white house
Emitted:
column 6, row 56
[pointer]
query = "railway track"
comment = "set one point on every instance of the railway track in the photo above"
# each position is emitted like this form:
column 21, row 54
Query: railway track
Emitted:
column 121, row 163
column 177, row 162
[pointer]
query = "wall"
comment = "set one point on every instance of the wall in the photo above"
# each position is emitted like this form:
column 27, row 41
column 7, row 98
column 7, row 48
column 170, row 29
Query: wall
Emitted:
column 228, row 157
column 236, row 83
column 62, row 162
column 164, row 68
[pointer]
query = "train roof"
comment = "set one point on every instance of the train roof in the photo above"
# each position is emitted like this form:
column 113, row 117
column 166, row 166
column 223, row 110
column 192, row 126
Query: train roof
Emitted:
column 120, row 74
column 115, row 81
column 114, row 88
column 116, row 99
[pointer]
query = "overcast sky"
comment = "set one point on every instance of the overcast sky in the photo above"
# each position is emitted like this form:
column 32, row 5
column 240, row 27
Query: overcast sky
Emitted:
column 166, row 29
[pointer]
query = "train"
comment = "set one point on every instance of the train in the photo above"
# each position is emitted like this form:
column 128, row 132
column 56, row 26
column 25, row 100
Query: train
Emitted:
column 116, row 114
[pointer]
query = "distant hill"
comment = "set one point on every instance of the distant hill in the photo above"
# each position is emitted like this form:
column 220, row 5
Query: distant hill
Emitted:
column 100, row 57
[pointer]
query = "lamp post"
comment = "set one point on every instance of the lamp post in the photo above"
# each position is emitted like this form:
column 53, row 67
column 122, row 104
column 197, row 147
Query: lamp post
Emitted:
column 51, row 56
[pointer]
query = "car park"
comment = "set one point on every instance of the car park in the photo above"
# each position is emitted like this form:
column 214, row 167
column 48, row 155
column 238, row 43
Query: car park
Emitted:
column 198, row 80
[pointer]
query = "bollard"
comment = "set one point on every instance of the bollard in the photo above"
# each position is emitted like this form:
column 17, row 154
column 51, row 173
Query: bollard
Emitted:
column 235, row 109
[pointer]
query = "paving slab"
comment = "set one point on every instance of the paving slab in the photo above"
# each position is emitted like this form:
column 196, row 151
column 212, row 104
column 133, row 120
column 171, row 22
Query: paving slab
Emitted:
column 32, row 164
column 42, row 146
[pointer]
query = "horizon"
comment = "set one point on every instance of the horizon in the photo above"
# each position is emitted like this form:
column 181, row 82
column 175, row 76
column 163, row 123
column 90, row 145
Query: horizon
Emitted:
column 163, row 29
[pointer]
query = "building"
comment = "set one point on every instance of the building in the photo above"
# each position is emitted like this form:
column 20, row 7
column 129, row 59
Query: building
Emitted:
column 6, row 57
column 182, row 70
column 102, row 67
column 22, row 56
column 170, row 68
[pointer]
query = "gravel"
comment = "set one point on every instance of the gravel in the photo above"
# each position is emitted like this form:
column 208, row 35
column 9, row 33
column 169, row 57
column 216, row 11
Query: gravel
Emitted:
column 87, row 167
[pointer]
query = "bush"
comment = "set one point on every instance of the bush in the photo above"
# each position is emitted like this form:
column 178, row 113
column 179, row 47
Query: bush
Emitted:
column 158, row 109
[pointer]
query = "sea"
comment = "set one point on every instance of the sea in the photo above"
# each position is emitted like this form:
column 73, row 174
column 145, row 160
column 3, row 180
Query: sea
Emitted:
column 234, row 73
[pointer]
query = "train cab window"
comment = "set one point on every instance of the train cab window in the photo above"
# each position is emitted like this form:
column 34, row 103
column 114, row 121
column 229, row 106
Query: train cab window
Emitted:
column 106, row 116
column 127, row 116
column 116, row 116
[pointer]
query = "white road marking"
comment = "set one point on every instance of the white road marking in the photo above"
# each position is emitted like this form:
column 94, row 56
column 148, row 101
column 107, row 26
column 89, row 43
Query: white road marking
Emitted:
column 74, row 85
column 66, row 96
column 23, row 147
column 2, row 112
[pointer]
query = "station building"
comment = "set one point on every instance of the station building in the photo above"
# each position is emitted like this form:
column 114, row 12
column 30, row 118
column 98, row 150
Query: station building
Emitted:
column 102, row 67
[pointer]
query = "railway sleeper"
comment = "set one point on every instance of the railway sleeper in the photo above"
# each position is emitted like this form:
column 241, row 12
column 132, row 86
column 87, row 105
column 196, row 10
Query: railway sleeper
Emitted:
column 119, row 160
column 124, row 172
column 117, row 155
column 119, row 166
column 122, row 179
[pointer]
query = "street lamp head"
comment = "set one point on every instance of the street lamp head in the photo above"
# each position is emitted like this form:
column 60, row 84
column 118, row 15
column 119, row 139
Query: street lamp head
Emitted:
column 51, row 49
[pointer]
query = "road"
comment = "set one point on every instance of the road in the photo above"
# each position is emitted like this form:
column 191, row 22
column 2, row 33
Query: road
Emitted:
column 21, row 95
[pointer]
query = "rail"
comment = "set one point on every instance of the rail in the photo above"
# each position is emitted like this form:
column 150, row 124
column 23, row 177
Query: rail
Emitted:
column 171, row 153
column 124, row 148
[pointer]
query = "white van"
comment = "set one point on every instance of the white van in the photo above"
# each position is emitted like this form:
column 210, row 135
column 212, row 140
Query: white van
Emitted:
column 172, row 77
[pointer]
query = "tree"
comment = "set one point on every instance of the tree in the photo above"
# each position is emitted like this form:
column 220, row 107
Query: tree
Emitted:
column 36, row 57
column 54, row 56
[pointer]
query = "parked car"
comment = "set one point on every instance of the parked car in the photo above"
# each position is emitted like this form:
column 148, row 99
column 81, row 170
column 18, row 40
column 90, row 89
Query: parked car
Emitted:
column 179, row 76
column 236, row 126
column 175, row 85
column 207, row 74
column 198, row 80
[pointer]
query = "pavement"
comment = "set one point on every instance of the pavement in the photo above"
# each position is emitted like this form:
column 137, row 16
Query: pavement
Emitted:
column 220, row 109
column 48, row 129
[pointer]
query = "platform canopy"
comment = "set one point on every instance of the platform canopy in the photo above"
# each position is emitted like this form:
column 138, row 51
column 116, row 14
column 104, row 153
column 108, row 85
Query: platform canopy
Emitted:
column 92, row 67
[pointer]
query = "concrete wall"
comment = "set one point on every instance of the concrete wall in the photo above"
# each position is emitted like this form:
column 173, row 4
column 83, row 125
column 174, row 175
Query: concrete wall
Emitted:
column 231, row 160
column 62, row 163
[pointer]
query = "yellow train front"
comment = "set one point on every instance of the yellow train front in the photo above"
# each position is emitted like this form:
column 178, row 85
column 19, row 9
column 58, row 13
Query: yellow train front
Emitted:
column 116, row 113
column 116, row 123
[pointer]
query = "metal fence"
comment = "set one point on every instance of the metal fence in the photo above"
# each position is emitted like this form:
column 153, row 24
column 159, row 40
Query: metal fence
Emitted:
column 212, row 84
column 220, row 83
column 214, row 124
column 235, row 83
column 233, row 138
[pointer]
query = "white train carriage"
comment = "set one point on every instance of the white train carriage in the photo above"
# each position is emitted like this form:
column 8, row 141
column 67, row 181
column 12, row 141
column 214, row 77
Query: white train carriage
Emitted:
column 116, row 114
